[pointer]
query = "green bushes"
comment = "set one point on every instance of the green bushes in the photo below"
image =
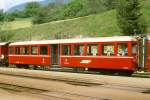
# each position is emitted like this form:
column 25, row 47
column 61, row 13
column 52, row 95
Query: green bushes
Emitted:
column 76, row 8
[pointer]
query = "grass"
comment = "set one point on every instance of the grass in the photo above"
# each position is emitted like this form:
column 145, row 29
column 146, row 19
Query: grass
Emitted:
column 99, row 25
column 104, row 24
column 17, row 24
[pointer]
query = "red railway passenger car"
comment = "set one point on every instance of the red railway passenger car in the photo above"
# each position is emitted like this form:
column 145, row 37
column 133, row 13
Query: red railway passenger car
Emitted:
column 108, row 53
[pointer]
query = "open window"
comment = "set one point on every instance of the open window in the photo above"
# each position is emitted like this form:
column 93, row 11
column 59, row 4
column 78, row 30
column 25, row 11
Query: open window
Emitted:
column 92, row 49
column 78, row 49
column 108, row 50
column 134, row 49
column 17, row 50
column 122, row 50
column 25, row 50
column 66, row 50
column 34, row 50
column 11, row 50
column 43, row 50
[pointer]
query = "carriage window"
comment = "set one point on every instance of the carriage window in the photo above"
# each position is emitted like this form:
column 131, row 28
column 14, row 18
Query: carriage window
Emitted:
column 17, row 50
column 11, row 50
column 134, row 49
column 122, row 50
column 43, row 50
column 34, row 50
column 66, row 50
column 25, row 50
column 108, row 50
column 92, row 50
column 79, row 50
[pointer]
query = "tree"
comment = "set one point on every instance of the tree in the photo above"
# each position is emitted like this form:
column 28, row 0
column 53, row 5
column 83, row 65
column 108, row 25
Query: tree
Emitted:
column 109, row 4
column 94, row 6
column 2, row 16
column 32, row 8
column 129, row 17
column 40, row 17
column 9, row 17
column 72, row 9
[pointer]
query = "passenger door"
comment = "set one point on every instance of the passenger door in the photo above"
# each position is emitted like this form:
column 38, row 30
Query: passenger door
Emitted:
column 55, row 54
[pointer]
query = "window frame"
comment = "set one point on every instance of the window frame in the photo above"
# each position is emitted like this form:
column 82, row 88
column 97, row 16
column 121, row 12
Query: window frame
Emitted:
column 133, row 54
column 37, row 49
column 105, row 44
column 93, row 44
column 19, row 50
column 123, row 43
column 25, row 47
column 13, row 51
column 47, row 52
column 84, row 49
column 70, row 53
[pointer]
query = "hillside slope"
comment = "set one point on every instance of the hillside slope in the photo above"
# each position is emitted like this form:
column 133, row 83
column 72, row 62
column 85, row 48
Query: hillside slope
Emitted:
column 104, row 24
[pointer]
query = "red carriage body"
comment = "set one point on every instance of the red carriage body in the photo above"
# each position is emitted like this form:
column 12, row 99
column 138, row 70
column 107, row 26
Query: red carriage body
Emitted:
column 4, row 52
column 110, row 53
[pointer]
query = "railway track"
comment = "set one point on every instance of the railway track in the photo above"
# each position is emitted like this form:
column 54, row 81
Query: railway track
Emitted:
column 73, row 79
column 58, row 76
column 47, row 93
column 77, row 82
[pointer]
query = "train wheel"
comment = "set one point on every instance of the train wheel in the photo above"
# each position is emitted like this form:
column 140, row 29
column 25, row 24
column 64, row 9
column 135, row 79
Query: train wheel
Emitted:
column 7, row 64
column 33, row 67
column 125, row 73
column 18, row 66
column 26, row 66
column 107, row 72
column 78, row 70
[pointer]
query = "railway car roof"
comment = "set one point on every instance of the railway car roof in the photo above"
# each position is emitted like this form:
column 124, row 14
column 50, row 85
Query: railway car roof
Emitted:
column 3, row 43
column 77, row 40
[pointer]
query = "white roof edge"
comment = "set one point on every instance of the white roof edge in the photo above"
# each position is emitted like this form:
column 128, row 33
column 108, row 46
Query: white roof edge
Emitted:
column 78, row 40
column 3, row 43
